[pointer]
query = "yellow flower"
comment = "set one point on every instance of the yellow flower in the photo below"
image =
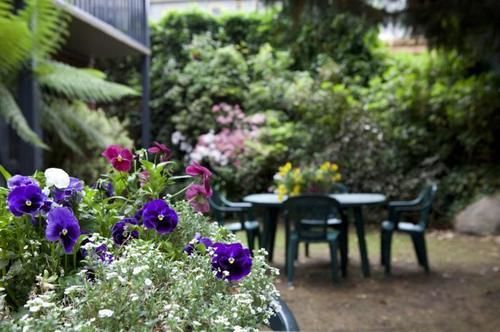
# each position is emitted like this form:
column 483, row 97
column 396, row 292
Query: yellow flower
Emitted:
column 337, row 177
column 295, row 190
column 281, row 191
column 283, row 170
column 297, row 176
column 319, row 175
column 325, row 166
column 334, row 167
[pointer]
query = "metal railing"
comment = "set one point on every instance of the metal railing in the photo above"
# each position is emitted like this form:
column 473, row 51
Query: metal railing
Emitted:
column 128, row 16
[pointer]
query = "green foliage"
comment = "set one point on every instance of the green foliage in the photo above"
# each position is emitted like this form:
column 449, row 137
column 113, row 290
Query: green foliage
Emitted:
column 11, row 113
column 85, row 132
column 83, row 84
column 437, row 108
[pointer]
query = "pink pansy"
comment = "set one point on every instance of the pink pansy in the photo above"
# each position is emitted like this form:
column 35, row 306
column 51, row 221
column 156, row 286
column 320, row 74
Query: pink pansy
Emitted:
column 161, row 149
column 143, row 177
column 197, row 170
column 197, row 196
column 120, row 157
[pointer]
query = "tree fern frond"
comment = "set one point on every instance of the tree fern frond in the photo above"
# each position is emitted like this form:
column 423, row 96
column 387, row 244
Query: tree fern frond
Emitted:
column 15, row 43
column 6, row 8
column 13, row 116
column 48, row 24
column 75, row 83
column 53, row 122
column 72, row 120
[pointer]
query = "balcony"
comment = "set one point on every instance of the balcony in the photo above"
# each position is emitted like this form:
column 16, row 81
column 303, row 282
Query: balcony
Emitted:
column 107, row 28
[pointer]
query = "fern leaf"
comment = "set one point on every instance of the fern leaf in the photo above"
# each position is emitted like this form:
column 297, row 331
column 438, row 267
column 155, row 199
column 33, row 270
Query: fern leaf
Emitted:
column 48, row 25
column 72, row 121
column 55, row 122
column 6, row 8
column 75, row 83
column 15, row 43
column 13, row 116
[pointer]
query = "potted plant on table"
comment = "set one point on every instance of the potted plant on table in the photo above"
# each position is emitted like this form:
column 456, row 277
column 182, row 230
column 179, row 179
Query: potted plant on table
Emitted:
column 292, row 181
column 132, row 252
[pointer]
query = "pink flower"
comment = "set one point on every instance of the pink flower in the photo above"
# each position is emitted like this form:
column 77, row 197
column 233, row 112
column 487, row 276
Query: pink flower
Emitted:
column 143, row 177
column 161, row 149
column 197, row 196
column 197, row 170
column 121, row 158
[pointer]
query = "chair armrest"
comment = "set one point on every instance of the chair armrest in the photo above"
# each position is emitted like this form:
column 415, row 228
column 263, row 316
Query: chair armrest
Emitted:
column 241, row 205
column 229, row 209
column 413, row 205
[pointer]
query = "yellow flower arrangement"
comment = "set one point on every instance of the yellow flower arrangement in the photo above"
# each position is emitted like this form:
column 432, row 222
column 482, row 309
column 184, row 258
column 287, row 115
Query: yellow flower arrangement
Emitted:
column 293, row 181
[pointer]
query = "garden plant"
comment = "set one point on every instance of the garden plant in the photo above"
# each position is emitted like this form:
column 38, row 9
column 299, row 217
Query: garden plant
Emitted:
column 131, row 251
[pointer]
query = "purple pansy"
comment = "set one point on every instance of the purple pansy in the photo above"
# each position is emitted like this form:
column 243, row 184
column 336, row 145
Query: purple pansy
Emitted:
column 158, row 215
column 101, row 251
column 104, row 255
column 26, row 199
column 231, row 261
column 197, row 196
column 121, row 232
column 62, row 226
column 66, row 195
column 19, row 181
column 198, row 239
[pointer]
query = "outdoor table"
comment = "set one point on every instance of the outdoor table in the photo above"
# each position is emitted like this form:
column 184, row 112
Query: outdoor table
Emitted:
column 355, row 201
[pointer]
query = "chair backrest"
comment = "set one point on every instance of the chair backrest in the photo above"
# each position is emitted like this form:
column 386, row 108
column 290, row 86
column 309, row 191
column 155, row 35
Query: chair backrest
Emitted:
column 216, row 207
column 283, row 319
column 426, row 197
column 315, row 207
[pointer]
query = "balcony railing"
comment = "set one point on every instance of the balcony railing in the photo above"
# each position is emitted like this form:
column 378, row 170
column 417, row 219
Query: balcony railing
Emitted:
column 128, row 16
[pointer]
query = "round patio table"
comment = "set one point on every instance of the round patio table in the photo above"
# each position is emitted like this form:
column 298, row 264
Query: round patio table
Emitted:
column 355, row 201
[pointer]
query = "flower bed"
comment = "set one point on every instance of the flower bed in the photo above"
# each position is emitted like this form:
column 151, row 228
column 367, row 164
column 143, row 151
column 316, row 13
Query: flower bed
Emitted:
column 127, row 253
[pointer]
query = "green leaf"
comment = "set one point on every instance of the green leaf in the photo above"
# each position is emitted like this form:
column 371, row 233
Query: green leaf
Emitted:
column 10, row 111
column 6, row 175
column 75, row 83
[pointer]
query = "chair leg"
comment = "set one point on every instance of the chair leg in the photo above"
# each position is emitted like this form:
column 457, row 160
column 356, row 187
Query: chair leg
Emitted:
column 382, row 248
column 387, row 240
column 333, row 257
column 415, row 240
column 421, row 250
column 292, row 249
column 251, row 239
column 307, row 249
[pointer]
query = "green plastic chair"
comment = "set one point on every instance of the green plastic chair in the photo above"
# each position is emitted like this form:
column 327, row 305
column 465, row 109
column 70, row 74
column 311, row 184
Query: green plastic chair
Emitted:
column 298, row 211
column 421, row 205
column 334, row 221
column 221, row 208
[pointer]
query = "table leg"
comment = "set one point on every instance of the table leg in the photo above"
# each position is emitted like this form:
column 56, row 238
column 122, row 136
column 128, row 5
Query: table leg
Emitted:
column 272, row 225
column 360, row 230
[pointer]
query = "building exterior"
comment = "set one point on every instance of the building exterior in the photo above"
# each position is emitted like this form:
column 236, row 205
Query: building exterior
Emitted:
column 215, row 7
column 98, row 29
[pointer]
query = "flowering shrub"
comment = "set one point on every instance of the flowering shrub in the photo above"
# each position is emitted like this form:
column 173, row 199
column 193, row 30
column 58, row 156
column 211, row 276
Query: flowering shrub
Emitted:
column 223, row 148
column 69, row 249
column 294, row 181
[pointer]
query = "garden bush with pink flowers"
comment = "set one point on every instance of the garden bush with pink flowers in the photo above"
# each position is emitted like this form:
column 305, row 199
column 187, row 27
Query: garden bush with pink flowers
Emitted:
column 68, row 249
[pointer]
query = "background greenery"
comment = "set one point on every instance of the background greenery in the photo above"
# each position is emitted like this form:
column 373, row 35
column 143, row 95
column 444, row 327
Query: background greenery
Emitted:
column 330, row 91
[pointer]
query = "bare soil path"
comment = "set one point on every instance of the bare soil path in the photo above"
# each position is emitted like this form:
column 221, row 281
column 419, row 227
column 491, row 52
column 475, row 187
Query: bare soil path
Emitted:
column 462, row 293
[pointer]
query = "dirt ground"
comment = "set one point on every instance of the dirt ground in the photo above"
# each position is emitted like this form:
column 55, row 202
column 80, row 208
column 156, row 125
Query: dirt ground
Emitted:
column 462, row 292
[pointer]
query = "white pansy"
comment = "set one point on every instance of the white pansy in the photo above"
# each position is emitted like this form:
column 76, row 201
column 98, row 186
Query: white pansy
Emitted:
column 103, row 313
column 56, row 177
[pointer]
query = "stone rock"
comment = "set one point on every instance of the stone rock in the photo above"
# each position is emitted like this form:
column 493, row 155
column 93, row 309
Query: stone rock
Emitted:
column 480, row 218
